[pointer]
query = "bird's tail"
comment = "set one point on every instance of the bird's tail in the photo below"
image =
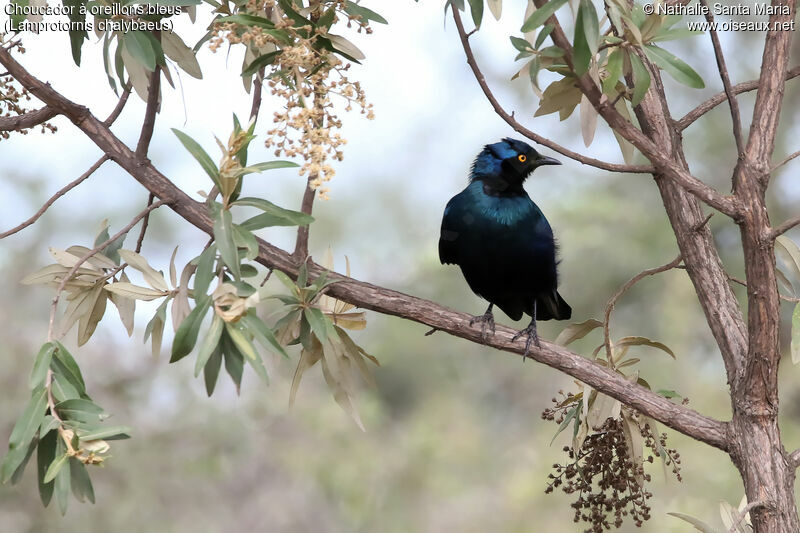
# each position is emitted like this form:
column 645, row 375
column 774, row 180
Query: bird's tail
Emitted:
column 552, row 306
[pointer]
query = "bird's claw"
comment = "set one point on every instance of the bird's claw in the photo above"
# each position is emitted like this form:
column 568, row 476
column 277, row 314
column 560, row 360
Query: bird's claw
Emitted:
column 531, row 337
column 486, row 319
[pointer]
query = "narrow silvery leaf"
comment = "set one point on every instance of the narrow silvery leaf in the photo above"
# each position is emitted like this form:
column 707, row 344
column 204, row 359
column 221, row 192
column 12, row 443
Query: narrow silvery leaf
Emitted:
column 177, row 50
column 343, row 45
column 496, row 7
column 130, row 290
column 588, row 120
column 153, row 277
column 796, row 334
column 577, row 331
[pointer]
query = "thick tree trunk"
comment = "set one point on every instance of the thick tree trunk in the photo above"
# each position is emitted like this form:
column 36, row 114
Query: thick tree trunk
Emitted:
column 766, row 471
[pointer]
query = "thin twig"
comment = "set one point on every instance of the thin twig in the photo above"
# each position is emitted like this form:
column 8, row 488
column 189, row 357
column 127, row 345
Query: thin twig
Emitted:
column 301, row 244
column 718, row 98
column 145, row 222
column 784, row 161
column 27, row 120
column 743, row 513
column 783, row 228
column 794, row 459
column 622, row 290
column 257, row 86
column 509, row 119
column 785, row 298
column 150, row 114
column 88, row 255
column 68, row 187
column 726, row 80
column 123, row 99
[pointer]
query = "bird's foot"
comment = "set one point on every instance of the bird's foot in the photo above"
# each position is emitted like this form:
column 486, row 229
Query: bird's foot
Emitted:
column 486, row 320
column 531, row 337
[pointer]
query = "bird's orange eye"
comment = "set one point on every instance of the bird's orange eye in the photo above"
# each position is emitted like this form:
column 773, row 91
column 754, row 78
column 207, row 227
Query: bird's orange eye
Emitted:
column 522, row 158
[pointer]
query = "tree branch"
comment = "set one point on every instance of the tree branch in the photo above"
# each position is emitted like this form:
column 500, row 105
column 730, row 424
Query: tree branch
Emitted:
column 662, row 161
column 123, row 99
column 379, row 299
column 145, row 222
column 622, row 290
column 777, row 231
column 726, row 80
column 27, row 120
column 64, row 190
column 784, row 161
column 719, row 98
column 153, row 93
column 519, row 128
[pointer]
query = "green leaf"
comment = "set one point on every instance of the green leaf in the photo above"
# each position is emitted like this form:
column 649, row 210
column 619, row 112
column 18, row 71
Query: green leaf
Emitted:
column 543, row 35
column 541, row 15
column 79, row 410
column 259, row 62
column 270, row 165
column 243, row 238
column 63, row 389
column 641, row 79
column 273, row 215
column 41, row 364
column 520, row 44
column 55, row 467
column 107, row 433
column 795, row 347
column 476, row 8
column 262, row 333
column 223, row 237
column 209, row 344
column 590, row 25
column 80, row 482
column 666, row 393
column 234, row 361
column 581, row 53
column 674, row 66
column 317, row 322
column 77, row 31
column 17, row 475
column 200, row 155
column 240, row 340
column 66, row 365
column 23, row 433
column 211, row 370
column 351, row 8
column 614, row 70
column 186, row 336
column 205, row 271
column 62, row 481
column 45, row 454
column 569, row 416
column 140, row 48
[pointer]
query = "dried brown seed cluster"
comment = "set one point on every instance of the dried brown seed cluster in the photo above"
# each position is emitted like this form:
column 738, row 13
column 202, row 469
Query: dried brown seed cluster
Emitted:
column 606, row 477
column 306, row 78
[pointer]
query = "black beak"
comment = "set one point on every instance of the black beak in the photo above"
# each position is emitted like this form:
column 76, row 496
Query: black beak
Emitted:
column 546, row 161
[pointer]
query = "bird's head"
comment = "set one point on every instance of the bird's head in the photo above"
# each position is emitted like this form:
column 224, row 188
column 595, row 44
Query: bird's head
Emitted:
column 507, row 163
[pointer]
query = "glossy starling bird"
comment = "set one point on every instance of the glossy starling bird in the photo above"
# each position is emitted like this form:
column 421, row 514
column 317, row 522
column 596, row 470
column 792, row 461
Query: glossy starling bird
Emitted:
column 502, row 241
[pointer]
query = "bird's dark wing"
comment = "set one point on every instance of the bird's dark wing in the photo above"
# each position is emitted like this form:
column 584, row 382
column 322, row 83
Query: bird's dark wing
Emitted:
column 552, row 306
column 448, row 238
